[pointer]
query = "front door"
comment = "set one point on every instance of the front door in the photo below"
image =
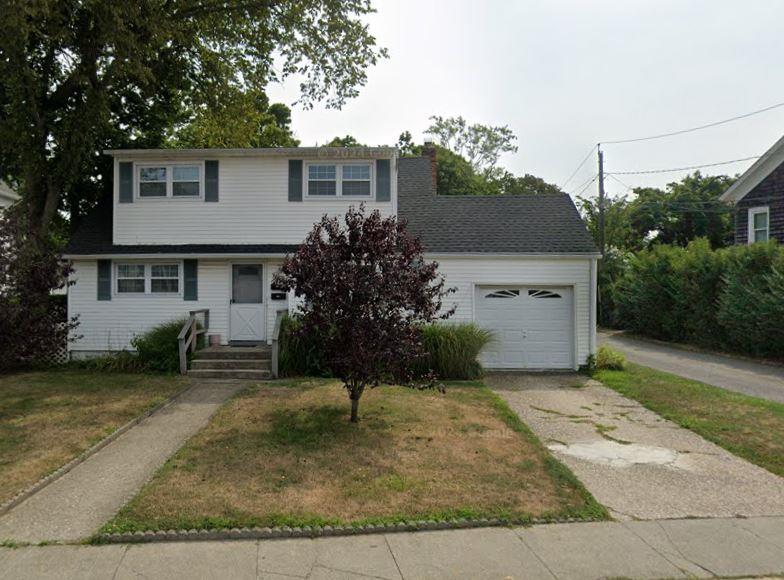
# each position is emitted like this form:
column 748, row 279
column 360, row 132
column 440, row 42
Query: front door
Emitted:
column 246, row 320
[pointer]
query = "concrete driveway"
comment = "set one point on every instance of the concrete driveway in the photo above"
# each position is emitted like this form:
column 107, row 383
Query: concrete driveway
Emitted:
column 748, row 377
column 634, row 462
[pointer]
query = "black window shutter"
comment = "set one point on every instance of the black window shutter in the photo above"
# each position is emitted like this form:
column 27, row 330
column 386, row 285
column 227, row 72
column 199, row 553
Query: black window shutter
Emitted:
column 104, row 279
column 190, row 275
column 295, row 180
column 210, row 181
column 126, row 182
column 383, row 189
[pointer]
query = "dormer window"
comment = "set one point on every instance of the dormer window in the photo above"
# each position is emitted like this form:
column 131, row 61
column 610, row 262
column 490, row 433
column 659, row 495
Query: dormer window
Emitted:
column 167, row 181
column 339, row 180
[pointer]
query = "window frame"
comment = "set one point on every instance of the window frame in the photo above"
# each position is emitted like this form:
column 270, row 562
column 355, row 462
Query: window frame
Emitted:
column 169, row 166
column 339, row 164
column 751, row 231
column 147, row 278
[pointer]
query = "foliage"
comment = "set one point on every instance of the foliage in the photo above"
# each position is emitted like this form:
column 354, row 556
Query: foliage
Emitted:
column 481, row 145
column 300, row 354
column 32, row 324
column 121, row 362
column 158, row 348
column 609, row 359
column 452, row 351
column 237, row 119
column 78, row 76
column 729, row 298
column 347, row 141
column 366, row 288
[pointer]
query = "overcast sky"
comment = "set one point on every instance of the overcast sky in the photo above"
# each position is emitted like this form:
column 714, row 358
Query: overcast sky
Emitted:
column 566, row 74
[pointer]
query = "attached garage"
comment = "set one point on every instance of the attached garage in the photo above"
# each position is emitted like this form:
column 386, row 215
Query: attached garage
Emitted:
column 532, row 326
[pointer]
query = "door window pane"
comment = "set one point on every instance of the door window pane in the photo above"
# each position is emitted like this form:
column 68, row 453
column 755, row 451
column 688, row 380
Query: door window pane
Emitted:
column 247, row 286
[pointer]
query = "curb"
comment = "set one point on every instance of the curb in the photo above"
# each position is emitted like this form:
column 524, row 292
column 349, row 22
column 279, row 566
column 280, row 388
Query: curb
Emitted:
column 81, row 458
column 285, row 532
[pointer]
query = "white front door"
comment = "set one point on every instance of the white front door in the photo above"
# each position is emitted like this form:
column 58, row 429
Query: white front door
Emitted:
column 531, row 325
column 246, row 320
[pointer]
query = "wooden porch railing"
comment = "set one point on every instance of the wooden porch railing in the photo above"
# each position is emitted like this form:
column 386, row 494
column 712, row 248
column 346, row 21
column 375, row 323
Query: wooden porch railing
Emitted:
column 188, row 337
column 276, row 342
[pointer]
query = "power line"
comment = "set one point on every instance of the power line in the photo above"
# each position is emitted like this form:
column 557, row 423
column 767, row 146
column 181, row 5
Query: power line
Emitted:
column 587, row 185
column 619, row 181
column 579, row 166
column 683, row 168
column 682, row 131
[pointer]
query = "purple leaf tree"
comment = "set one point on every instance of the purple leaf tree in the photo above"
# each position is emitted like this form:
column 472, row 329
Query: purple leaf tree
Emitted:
column 366, row 289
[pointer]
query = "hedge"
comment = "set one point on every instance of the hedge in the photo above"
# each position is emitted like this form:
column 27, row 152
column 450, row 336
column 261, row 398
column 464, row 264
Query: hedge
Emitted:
column 731, row 299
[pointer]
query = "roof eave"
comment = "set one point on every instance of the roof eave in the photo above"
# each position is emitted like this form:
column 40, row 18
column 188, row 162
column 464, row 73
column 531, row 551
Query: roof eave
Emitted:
column 755, row 174
column 272, row 152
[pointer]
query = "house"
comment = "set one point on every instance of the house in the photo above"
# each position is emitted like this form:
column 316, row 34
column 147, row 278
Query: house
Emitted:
column 758, row 197
column 7, row 195
column 195, row 229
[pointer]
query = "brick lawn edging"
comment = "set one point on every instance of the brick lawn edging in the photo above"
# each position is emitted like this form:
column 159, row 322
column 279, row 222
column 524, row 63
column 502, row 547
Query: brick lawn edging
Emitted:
column 81, row 458
column 284, row 532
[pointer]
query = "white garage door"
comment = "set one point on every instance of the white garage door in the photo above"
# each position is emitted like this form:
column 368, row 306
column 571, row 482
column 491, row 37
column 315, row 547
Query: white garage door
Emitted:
column 532, row 326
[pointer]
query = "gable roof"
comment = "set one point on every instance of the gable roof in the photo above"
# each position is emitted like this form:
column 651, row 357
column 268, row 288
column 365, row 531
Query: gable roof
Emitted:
column 754, row 175
column 498, row 224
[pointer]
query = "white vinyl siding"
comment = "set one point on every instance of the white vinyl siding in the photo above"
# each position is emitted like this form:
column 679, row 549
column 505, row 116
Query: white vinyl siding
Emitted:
column 253, row 209
column 466, row 274
column 110, row 325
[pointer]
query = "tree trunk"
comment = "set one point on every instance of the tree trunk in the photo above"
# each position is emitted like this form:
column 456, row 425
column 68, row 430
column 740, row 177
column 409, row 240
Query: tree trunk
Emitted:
column 354, row 409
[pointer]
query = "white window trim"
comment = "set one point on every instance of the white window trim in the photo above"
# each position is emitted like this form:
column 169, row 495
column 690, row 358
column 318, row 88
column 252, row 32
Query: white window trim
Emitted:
column 147, row 279
column 750, row 232
column 137, row 167
column 339, row 180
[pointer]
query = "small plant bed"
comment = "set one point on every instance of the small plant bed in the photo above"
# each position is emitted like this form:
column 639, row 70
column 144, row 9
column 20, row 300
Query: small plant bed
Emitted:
column 49, row 418
column 746, row 426
column 286, row 455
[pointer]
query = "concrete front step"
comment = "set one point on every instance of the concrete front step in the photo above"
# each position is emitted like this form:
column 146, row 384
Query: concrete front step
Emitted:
column 234, row 353
column 230, row 364
column 251, row 374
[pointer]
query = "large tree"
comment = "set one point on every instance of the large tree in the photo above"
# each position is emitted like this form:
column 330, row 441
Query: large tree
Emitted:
column 366, row 288
column 75, row 73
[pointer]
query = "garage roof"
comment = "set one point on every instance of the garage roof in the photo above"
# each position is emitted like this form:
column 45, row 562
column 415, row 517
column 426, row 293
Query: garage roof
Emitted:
column 488, row 224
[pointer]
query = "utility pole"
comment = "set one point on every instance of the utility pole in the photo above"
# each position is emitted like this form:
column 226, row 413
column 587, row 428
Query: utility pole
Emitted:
column 601, row 198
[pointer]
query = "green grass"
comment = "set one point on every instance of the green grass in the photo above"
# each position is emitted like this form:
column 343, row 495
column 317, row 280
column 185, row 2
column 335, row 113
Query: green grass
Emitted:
column 749, row 427
column 285, row 454
column 48, row 418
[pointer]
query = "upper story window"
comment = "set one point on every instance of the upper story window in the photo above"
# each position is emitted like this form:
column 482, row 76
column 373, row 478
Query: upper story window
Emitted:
column 759, row 224
column 339, row 180
column 162, row 181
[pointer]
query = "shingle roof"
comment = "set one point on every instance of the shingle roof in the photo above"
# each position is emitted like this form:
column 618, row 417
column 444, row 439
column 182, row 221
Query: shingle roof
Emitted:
column 519, row 224
column 94, row 237
column 502, row 224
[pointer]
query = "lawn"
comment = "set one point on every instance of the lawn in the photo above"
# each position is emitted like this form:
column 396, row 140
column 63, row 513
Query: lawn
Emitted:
column 746, row 426
column 286, row 454
column 48, row 418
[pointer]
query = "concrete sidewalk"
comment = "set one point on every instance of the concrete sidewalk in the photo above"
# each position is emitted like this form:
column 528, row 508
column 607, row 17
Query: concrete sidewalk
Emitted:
column 734, row 374
column 79, row 503
column 664, row 549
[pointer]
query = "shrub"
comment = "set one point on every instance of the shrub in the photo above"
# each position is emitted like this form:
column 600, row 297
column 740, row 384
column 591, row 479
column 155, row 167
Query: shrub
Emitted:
column 121, row 362
column 158, row 350
column 299, row 354
column 452, row 350
column 608, row 359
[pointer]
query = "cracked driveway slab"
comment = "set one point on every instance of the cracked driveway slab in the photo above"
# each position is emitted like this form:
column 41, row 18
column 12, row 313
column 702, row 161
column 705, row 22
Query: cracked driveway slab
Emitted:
column 634, row 462
column 734, row 374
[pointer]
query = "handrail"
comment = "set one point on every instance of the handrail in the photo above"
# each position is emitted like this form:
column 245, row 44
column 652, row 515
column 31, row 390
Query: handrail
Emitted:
column 276, row 342
column 188, row 337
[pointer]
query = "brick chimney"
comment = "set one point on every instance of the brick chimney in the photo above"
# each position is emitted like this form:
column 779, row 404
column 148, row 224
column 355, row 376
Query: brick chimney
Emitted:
column 429, row 151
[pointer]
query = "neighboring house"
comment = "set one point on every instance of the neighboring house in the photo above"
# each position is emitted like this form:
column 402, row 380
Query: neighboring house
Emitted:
column 758, row 197
column 7, row 195
column 190, row 229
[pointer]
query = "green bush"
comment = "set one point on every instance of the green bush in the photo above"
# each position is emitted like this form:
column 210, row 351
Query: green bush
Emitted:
column 452, row 350
column 158, row 349
column 731, row 299
column 608, row 359
column 121, row 362
column 299, row 355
